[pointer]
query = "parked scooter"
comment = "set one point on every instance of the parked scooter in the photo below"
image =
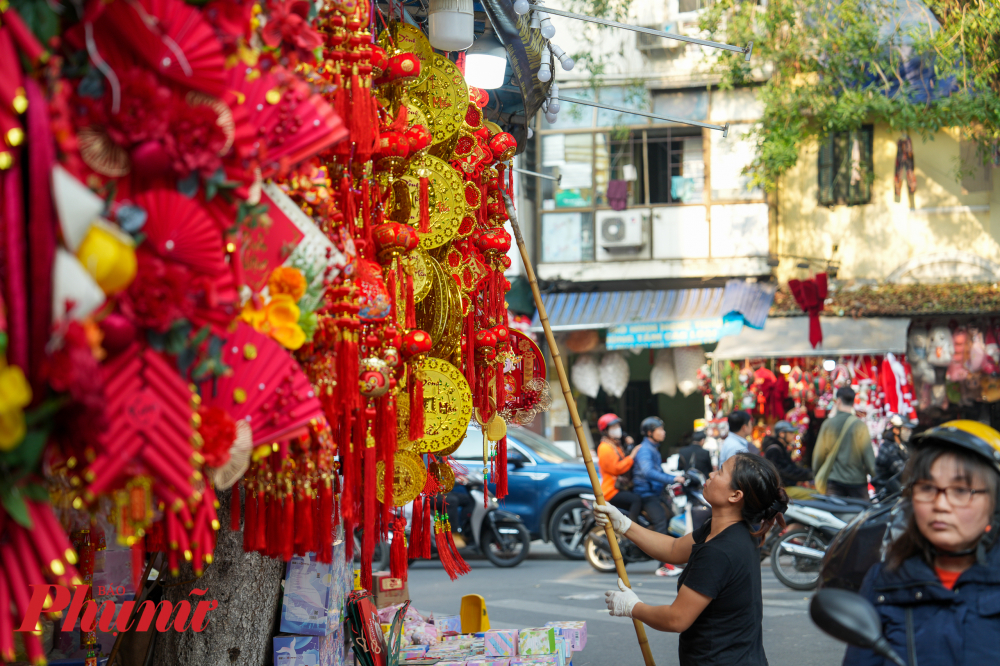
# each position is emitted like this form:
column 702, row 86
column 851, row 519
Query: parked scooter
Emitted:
column 797, row 552
column 499, row 535
column 692, row 510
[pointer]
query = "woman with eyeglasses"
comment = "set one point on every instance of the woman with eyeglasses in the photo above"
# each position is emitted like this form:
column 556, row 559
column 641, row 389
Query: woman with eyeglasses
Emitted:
column 938, row 590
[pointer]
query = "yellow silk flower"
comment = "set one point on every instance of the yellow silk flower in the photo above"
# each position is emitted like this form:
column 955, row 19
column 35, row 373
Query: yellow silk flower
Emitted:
column 283, row 318
column 287, row 280
column 15, row 395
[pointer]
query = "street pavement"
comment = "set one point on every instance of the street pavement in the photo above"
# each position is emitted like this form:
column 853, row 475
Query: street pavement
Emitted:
column 549, row 587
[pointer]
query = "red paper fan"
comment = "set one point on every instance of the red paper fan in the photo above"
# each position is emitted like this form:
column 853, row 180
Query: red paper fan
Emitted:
column 149, row 411
column 170, row 36
column 279, row 120
column 267, row 388
column 183, row 230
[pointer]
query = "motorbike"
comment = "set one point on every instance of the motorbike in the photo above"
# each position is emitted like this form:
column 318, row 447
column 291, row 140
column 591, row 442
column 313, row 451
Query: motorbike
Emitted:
column 499, row 535
column 812, row 525
column 691, row 510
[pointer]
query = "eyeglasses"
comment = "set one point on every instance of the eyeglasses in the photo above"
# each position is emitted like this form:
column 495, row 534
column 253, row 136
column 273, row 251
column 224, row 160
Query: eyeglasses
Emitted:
column 958, row 496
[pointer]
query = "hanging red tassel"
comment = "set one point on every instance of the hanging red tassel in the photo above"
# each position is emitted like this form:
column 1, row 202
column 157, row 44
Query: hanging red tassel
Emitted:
column 411, row 312
column 425, row 205
column 250, row 524
column 369, row 529
column 501, row 476
column 416, row 530
column 444, row 553
column 415, row 386
column 461, row 567
column 385, row 428
column 327, row 521
column 288, row 527
column 260, row 531
column 425, row 545
column 398, row 565
column 234, row 509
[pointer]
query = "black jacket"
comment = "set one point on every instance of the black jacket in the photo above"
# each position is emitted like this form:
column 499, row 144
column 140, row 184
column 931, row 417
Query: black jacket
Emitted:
column 774, row 450
column 695, row 456
column 891, row 460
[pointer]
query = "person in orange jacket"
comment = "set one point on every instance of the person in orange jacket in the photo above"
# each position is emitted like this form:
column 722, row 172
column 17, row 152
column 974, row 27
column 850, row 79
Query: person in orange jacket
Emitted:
column 616, row 466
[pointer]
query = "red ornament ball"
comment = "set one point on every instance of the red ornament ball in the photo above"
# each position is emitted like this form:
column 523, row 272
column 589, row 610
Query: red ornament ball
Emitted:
column 416, row 342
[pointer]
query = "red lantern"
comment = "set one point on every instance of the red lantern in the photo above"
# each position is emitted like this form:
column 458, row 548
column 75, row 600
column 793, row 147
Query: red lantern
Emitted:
column 503, row 146
column 402, row 68
column 393, row 239
column 502, row 334
column 419, row 137
column 378, row 59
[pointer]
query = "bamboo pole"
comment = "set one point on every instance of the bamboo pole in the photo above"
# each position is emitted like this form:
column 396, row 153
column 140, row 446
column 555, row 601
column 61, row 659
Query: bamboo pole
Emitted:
column 640, row 628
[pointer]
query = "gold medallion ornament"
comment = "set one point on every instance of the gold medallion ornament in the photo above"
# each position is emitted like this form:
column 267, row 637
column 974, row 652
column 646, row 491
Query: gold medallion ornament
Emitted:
column 408, row 479
column 447, row 408
column 446, row 95
column 422, row 276
column 440, row 313
column 446, row 199
column 444, row 475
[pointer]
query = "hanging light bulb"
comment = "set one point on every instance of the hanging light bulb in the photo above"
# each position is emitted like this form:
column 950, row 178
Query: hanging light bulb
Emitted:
column 486, row 62
column 534, row 25
column 551, row 117
column 563, row 57
column 545, row 69
column 548, row 30
column 554, row 98
column 521, row 7
column 531, row 132
column 451, row 25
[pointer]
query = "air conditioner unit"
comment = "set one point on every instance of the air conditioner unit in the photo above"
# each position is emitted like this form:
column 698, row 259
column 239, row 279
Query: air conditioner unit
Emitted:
column 652, row 46
column 620, row 230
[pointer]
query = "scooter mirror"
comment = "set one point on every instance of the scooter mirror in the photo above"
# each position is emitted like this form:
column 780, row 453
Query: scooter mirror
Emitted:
column 849, row 617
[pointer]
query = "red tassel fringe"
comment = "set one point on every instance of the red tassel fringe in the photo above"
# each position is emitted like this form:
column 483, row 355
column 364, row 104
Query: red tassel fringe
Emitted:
column 398, row 561
column 417, row 530
column 416, row 390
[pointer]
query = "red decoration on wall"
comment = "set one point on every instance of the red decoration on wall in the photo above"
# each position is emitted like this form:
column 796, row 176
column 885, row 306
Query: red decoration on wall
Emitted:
column 810, row 294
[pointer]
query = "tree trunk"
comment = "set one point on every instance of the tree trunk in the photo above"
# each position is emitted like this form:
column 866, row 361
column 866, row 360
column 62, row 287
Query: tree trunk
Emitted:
column 248, row 588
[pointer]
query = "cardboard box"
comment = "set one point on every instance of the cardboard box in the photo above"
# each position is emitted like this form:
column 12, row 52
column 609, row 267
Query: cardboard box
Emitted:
column 305, row 603
column 539, row 640
column 448, row 624
column 501, row 643
column 574, row 631
column 389, row 591
column 309, row 650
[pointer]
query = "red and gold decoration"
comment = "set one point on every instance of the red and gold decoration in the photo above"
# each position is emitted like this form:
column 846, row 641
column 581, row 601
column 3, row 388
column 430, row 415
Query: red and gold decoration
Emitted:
column 255, row 253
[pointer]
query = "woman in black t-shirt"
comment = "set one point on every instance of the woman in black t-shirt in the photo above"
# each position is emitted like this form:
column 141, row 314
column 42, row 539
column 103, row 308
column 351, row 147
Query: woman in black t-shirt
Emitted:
column 718, row 609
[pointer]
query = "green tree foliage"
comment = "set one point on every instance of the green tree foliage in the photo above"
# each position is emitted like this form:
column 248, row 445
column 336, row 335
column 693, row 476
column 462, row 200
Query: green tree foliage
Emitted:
column 831, row 65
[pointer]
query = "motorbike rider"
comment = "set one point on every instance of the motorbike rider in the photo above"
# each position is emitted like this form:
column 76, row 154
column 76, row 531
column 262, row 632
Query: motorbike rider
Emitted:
column 650, row 480
column 777, row 450
column 695, row 456
column 616, row 466
column 892, row 455
column 937, row 592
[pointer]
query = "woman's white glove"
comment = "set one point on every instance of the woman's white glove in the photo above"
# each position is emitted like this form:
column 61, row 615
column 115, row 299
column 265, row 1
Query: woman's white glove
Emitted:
column 604, row 514
column 621, row 603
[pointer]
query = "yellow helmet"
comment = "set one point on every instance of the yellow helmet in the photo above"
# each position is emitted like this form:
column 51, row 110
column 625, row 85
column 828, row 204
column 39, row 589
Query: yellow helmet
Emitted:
column 972, row 435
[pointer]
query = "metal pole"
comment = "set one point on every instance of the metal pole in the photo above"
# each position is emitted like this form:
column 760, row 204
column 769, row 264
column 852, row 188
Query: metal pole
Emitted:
column 747, row 51
column 535, row 173
column 586, row 102
column 640, row 628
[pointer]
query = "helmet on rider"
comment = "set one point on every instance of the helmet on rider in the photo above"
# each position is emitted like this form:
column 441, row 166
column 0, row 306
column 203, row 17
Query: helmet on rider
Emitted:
column 984, row 443
column 649, row 425
column 607, row 421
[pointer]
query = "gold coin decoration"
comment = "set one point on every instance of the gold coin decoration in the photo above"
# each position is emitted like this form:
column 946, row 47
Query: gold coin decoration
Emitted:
column 446, row 95
column 445, row 196
column 440, row 313
column 422, row 277
column 408, row 479
column 444, row 475
column 497, row 428
column 447, row 408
